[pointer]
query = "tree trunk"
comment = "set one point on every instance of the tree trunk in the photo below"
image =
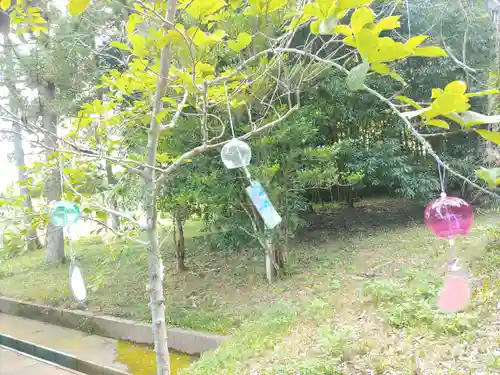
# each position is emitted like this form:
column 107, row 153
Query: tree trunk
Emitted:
column 180, row 247
column 275, row 260
column 54, row 252
column 32, row 241
column 155, row 263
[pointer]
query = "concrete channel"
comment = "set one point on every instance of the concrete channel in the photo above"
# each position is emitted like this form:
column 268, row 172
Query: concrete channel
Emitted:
column 88, row 343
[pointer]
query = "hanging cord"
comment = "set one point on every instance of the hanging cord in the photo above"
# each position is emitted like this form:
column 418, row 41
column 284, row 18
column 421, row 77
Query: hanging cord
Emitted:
column 228, row 103
column 66, row 228
column 452, row 260
column 442, row 177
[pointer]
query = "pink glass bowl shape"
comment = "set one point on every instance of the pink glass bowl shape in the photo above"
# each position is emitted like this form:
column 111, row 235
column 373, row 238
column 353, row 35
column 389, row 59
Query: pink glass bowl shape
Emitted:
column 449, row 217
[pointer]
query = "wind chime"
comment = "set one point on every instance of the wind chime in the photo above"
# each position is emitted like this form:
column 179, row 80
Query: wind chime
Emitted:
column 237, row 154
column 448, row 218
column 63, row 215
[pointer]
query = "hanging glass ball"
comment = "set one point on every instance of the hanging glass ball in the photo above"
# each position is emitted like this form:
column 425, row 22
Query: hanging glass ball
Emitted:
column 449, row 217
column 236, row 154
column 64, row 213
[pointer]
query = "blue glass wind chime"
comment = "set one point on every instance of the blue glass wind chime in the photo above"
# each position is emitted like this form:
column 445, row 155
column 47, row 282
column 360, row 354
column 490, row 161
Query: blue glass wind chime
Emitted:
column 237, row 154
column 63, row 215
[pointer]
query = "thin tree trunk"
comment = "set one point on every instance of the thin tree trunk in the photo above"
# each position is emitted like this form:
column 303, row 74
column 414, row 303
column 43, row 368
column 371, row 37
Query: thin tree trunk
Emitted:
column 155, row 263
column 54, row 252
column 32, row 241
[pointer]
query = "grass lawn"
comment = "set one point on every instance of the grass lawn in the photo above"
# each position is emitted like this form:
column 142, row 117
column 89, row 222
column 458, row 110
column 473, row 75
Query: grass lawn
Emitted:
column 359, row 297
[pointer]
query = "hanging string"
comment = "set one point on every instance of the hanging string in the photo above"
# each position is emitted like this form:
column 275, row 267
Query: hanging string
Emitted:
column 452, row 260
column 442, row 176
column 66, row 230
column 228, row 103
column 229, row 110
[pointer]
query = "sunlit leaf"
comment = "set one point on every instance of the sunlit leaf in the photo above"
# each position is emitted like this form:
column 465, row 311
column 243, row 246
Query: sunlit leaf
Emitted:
column 483, row 93
column 471, row 118
column 412, row 114
column 436, row 93
column 384, row 69
column 439, row 123
column 132, row 22
column 367, row 43
column 5, row 4
column 388, row 23
column 389, row 50
column 343, row 30
column 456, row 87
column 199, row 9
column 409, row 101
column 360, row 18
column 121, row 46
column 264, row 6
column 490, row 136
column 327, row 26
column 349, row 4
column 241, row 42
column 432, row 51
column 76, row 7
column 490, row 176
column 357, row 75
column 415, row 41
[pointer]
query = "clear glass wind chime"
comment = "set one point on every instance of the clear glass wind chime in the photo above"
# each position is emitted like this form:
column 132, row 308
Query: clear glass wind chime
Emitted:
column 63, row 215
column 237, row 154
column 448, row 218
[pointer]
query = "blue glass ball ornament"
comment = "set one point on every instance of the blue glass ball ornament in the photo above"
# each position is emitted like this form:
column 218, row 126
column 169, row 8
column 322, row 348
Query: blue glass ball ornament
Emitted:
column 64, row 213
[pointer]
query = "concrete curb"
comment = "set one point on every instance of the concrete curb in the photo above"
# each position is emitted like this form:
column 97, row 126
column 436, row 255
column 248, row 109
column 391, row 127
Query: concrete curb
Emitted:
column 181, row 340
column 56, row 358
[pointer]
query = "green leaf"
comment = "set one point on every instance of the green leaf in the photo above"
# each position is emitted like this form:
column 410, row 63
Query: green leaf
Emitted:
column 198, row 9
column 412, row 114
column 76, row 7
column 490, row 176
column 357, row 75
column 164, row 158
column 241, row 42
column 456, row 87
column 343, row 30
column 439, row 123
column 436, row 93
column 384, row 69
column 121, row 46
column 471, row 118
column 388, row 23
column 360, row 18
column 409, row 101
column 132, row 22
column 490, row 136
column 432, row 51
column 139, row 45
column 349, row 4
column 482, row 93
column 5, row 4
column 416, row 41
column 367, row 43
column 327, row 26
column 264, row 6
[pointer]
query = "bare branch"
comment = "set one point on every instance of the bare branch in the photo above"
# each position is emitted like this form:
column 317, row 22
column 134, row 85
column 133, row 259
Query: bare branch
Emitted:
column 167, row 174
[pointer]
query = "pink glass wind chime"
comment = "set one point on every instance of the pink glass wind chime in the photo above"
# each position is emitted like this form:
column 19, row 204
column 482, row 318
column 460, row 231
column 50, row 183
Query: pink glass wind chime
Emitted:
column 449, row 218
